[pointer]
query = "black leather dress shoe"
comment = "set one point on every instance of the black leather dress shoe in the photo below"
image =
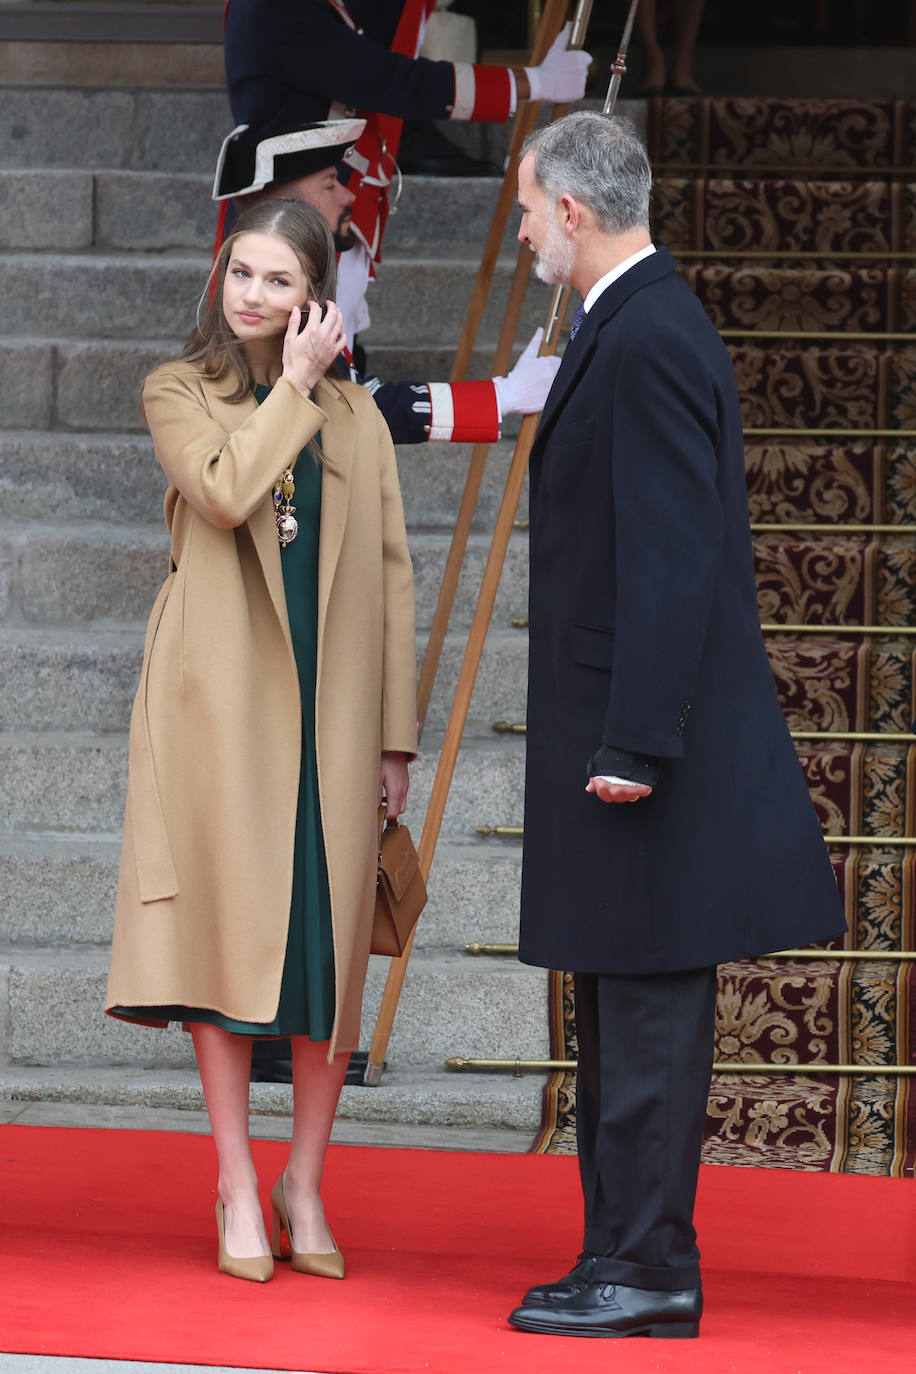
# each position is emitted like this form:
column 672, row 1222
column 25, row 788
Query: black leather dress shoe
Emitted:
column 612, row 1309
column 579, row 1277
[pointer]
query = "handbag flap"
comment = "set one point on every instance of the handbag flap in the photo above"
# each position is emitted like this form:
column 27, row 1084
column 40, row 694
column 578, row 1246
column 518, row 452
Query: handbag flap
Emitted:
column 398, row 859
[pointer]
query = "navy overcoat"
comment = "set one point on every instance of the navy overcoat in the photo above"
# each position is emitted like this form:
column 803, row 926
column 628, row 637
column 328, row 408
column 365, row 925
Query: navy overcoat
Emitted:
column 645, row 636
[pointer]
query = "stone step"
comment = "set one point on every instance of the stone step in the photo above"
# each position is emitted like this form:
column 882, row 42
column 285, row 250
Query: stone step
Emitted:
column 86, row 572
column 75, row 679
column 496, row 1009
column 138, row 212
column 58, row 889
column 172, row 129
column 76, row 783
column 424, row 1096
column 94, row 384
column 92, row 476
column 89, row 572
column 124, row 296
column 79, row 477
column 70, row 783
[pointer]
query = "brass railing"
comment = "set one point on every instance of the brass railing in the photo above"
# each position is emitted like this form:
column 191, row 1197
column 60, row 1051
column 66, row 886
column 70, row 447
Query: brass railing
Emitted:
column 900, row 956
column 517, row 1067
column 873, row 841
column 505, row 727
column 520, row 622
column 795, row 254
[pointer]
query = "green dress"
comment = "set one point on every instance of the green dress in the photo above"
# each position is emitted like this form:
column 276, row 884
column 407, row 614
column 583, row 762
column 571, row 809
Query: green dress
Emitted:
column 306, row 1004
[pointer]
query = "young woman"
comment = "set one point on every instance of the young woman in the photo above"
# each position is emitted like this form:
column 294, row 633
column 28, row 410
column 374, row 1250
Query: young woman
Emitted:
column 276, row 708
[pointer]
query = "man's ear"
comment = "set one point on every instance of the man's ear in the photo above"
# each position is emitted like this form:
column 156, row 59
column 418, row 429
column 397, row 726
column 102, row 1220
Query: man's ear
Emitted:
column 570, row 214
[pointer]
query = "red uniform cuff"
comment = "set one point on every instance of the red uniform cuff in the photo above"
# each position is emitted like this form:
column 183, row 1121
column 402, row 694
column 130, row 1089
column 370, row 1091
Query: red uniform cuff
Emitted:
column 464, row 413
column 482, row 93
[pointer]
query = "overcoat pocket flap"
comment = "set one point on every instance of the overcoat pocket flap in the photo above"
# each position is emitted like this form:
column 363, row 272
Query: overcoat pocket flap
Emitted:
column 573, row 431
column 591, row 646
column 398, row 860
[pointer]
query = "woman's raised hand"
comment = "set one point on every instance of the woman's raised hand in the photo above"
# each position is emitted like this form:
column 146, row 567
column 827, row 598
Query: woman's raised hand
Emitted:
column 308, row 355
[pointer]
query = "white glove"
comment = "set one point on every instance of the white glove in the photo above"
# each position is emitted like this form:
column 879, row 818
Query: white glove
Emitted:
column 561, row 76
column 525, row 389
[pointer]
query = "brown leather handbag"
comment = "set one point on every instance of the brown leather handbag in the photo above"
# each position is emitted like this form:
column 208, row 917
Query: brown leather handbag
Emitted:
column 401, row 892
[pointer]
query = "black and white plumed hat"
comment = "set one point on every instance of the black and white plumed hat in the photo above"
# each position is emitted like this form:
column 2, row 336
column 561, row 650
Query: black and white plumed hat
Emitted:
column 249, row 162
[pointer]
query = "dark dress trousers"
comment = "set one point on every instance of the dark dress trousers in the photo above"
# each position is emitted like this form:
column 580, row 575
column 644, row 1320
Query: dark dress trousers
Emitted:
column 645, row 646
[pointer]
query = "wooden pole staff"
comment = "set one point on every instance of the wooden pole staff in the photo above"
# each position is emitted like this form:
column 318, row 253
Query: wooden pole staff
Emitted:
column 479, row 626
column 551, row 23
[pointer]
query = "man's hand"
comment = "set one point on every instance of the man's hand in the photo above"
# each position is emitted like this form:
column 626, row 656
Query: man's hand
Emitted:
column 561, row 76
column 617, row 791
column 525, row 389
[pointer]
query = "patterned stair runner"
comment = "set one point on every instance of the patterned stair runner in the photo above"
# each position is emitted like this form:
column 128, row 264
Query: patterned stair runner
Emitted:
column 795, row 223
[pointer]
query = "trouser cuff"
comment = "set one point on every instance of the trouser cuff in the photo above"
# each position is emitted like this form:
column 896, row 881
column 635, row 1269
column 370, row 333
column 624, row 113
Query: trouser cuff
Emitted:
column 660, row 1279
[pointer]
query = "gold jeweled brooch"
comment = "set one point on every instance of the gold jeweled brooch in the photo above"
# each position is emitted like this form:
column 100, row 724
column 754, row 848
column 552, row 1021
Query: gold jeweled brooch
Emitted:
column 287, row 524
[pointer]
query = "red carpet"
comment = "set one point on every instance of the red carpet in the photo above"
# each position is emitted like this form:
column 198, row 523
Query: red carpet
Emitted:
column 107, row 1249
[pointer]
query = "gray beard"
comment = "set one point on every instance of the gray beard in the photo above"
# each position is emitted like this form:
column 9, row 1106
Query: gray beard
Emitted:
column 555, row 262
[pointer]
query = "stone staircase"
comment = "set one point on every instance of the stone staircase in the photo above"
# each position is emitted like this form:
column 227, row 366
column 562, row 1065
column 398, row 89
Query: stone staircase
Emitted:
column 104, row 248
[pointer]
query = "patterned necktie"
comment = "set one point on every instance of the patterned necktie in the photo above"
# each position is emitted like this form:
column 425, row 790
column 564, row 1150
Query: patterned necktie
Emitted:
column 577, row 322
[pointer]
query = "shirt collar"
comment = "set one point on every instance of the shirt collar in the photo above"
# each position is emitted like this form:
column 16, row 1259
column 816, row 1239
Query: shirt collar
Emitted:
column 604, row 282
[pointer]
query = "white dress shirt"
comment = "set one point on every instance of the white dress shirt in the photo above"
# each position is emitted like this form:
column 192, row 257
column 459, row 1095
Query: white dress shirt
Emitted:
column 604, row 282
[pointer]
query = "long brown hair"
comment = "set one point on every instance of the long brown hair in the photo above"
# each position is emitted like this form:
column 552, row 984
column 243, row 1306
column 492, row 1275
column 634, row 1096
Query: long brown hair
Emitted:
column 212, row 345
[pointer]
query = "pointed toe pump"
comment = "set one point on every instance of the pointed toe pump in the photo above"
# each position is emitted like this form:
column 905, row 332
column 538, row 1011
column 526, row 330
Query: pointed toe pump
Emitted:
column 258, row 1268
column 326, row 1266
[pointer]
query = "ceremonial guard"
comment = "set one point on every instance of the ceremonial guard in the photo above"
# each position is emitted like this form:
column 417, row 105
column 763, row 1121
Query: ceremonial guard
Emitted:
column 301, row 164
column 290, row 63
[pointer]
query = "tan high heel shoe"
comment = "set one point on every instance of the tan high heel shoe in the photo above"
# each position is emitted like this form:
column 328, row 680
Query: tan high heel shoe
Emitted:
column 326, row 1266
column 258, row 1268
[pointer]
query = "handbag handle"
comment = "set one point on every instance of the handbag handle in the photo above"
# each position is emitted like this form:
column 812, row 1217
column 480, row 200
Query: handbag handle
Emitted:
column 385, row 822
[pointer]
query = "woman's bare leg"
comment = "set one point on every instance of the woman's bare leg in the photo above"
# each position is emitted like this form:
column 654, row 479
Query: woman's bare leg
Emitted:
column 654, row 66
column 687, row 17
column 316, row 1090
column 224, row 1061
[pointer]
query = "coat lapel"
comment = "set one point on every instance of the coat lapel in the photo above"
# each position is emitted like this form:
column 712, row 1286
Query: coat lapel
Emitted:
column 261, row 523
column 337, row 446
column 579, row 350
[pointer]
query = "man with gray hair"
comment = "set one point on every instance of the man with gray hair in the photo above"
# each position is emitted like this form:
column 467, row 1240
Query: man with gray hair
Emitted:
column 649, row 684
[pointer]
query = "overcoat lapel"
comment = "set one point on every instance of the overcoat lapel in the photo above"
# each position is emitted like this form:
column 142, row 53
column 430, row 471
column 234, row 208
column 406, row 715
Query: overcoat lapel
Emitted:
column 337, row 448
column 262, row 521
column 579, row 350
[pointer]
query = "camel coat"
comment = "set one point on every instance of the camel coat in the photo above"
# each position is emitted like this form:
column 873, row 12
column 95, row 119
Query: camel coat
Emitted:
column 215, row 735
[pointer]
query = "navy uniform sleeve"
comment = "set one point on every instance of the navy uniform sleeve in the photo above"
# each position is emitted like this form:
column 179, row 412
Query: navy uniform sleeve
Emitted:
column 303, row 46
column 405, row 406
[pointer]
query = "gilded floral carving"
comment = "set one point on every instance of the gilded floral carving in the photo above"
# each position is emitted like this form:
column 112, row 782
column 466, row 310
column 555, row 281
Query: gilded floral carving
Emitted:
column 896, row 581
column 804, row 482
column 816, row 681
column 776, row 135
column 808, row 581
column 901, row 486
column 752, row 297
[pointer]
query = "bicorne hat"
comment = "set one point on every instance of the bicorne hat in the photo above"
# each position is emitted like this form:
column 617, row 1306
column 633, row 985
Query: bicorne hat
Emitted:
column 249, row 161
